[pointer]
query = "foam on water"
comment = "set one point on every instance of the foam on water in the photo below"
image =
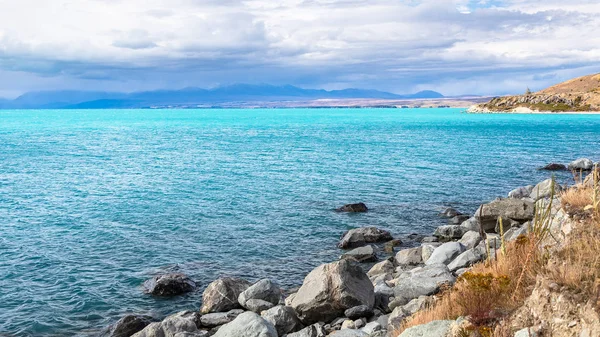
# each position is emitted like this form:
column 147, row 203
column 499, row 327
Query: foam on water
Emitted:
column 94, row 202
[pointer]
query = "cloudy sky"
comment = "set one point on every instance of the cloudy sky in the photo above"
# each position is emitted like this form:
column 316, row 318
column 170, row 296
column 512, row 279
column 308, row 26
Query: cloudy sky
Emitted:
column 453, row 46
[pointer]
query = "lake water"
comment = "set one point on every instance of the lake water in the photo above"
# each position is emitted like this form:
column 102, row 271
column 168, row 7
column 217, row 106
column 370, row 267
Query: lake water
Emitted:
column 94, row 202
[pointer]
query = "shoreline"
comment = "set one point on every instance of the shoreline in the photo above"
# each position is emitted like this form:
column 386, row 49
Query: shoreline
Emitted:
column 377, row 300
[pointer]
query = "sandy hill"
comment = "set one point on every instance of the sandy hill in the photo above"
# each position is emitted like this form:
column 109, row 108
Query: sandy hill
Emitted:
column 581, row 94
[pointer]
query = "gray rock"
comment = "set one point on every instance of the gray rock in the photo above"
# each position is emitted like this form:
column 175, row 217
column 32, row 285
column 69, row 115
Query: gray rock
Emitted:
column 219, row 318
column 169, row 285
column 415, row 305
column 182, row 322
column 429, row 239
column 348, row 333
column 395, row 318
column 354, row 208
column 315, row 330
column 527, row 332
column 466, row 259
column 471, row 239
column 449, row 212
column 457, row 220
column 389, row 246
column 544, row 190
column 247, row 324
column 432, row 329
column 445, row 253
column 371, row 327
column 359, row 323
column 581, row 164
column 222, row 295
column 359, row 311
column 330, row 289
column 521, row 192
column 348, row 324
column 361, row 254
column 449, row 232
column 516, row 209
column 421, row 282
column 283, row 318
column 383, row 267
column 513, row 233
column 410, row 256
column 506, row 225
column 471, row 225
column 361, row 236
column 426, row 251
column 263, row 290
column 383, row 293
column 258, row 306
column 129, row 325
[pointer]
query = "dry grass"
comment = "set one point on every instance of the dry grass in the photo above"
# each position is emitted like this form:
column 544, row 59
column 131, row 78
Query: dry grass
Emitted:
column 492, row 290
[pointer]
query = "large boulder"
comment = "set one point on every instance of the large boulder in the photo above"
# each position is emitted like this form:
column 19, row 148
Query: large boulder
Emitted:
column 179, row 323
column 581, row 164
column 264, row 290
column 421, row 282
column 515, row 209
column 361, row 236
column 330, row 289
column 283, row 318
column 431, row 329
column 450, row 232
column 521, row 192
column 128, row 325
column 472, row 224
column 222, row 295
column 354, row 208
column 315, row 330
column 409, row 256
column 445, row 253
column 169, row 285
column 247, row 324
column 361, row 254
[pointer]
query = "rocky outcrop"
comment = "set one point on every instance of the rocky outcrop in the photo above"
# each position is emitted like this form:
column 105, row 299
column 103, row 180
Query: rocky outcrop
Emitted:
column 222, row 295
column 247, row 324
column 169, row 285
column 519, row 210
column 354, row 208
column 362, row 236
column 330, row 289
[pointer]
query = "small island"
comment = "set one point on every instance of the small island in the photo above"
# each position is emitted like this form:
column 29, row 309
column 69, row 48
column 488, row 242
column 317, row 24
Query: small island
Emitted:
column 579, row 95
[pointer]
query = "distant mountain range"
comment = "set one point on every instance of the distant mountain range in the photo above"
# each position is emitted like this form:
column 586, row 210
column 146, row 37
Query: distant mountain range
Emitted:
column 191, row 97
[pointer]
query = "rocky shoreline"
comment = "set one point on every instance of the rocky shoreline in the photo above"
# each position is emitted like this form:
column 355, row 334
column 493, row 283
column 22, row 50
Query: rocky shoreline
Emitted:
column 345, row 298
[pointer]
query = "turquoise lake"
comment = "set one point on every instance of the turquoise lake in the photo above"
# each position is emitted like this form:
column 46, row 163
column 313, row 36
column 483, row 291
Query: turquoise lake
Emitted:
column 94, row 202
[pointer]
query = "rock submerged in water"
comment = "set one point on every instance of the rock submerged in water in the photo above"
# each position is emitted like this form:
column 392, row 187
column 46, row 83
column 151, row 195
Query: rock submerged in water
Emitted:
column 554, row 167
column 169, row 285
column 354, row 208
column 222, row 295
column 362, row 236
column 330, row 289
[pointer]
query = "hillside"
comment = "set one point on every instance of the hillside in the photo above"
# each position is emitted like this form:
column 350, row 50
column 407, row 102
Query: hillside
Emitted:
column 581, row 94
column 238, row 95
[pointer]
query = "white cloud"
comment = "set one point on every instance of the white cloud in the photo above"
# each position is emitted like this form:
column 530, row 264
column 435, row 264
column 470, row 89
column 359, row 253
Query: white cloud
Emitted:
column 385, row 44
